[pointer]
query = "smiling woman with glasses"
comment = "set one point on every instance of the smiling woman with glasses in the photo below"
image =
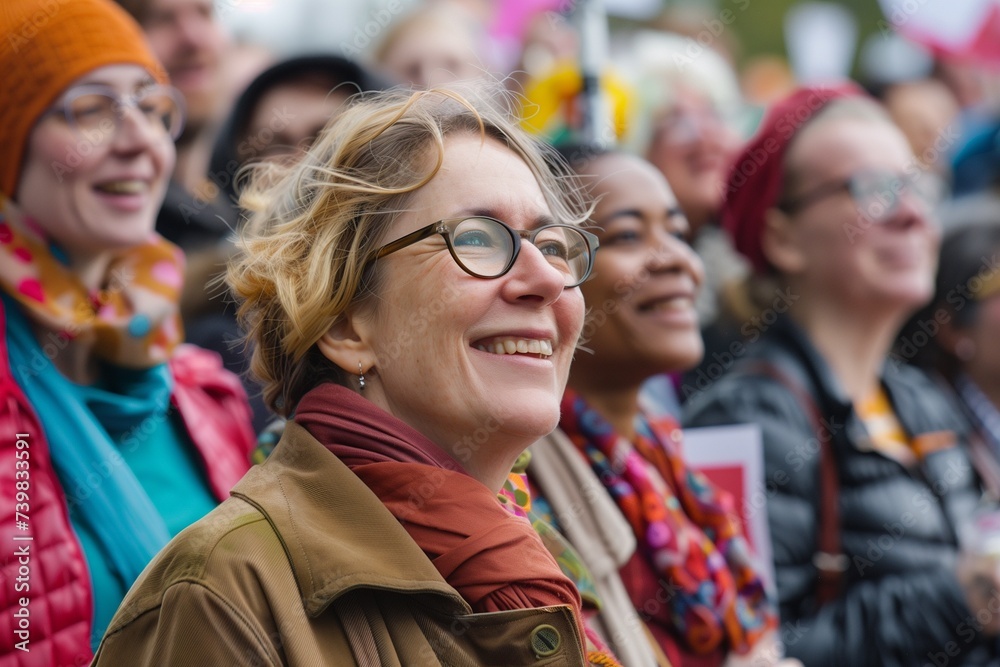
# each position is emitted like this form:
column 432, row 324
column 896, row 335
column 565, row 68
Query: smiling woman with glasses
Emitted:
column 133, row 434
column 415, row 362
column 839, row 225
column 614, row 477
column 96, row 111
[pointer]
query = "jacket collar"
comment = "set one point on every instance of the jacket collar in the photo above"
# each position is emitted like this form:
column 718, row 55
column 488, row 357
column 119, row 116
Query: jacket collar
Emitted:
column 788, row 339
column 336, row 533
column 907, row 388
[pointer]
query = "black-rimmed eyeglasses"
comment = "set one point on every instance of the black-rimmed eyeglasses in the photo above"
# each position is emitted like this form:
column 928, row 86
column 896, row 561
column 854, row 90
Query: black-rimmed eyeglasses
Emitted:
column 487, row 248
column 95, row 112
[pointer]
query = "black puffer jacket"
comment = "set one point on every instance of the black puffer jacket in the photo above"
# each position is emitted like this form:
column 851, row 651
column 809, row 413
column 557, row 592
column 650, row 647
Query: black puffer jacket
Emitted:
column 900, row 603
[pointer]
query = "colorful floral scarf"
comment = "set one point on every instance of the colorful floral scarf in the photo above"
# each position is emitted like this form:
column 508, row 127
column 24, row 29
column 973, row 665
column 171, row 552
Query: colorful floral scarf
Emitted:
column 133, row 320
column 515, row 496
column 682, row 527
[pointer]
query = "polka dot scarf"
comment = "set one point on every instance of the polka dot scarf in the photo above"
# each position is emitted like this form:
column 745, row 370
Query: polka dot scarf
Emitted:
column 686, row 529
column 133, row 321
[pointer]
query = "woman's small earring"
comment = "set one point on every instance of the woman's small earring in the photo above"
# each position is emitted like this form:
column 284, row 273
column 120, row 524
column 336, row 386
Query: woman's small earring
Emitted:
column 361, row 379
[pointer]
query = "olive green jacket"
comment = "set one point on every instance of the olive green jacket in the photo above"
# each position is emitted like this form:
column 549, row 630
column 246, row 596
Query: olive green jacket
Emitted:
column 303, row 565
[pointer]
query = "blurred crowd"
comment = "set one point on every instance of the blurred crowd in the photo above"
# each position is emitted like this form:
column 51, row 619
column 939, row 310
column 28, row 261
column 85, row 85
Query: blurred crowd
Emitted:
column 815, row 257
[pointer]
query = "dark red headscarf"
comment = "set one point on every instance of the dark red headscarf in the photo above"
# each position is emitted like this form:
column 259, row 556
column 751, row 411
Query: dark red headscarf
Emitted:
column 755, row 180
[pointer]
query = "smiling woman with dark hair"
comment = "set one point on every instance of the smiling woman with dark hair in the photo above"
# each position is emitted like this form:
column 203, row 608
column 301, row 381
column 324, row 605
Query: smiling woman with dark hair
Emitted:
column 668, row 559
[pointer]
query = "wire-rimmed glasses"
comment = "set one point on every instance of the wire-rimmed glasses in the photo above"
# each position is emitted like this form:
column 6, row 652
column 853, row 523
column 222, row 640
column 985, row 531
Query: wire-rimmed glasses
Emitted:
column 95, row 112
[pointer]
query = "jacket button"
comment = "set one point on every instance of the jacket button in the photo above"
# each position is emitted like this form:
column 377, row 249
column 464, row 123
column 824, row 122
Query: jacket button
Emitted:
column 545, row 640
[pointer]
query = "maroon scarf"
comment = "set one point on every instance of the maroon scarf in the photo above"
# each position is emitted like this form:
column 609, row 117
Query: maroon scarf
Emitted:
column 493, row 558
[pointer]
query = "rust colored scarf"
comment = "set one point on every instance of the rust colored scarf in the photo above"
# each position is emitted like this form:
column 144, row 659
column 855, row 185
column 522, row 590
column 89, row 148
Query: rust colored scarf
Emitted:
column 493, row 558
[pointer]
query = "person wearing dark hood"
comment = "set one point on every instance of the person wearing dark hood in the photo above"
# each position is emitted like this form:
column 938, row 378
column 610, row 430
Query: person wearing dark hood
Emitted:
column 281, row 113
column 275, row 119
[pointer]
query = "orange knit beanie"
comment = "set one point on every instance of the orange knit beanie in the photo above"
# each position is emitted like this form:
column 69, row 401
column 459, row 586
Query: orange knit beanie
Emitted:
column 45, row 45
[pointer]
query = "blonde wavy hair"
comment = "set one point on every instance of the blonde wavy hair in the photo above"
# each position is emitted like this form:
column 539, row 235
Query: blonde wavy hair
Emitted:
column 302, row 258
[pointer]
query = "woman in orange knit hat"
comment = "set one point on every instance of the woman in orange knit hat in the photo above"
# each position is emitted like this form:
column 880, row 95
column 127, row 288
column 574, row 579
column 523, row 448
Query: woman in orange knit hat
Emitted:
column 100, row 399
